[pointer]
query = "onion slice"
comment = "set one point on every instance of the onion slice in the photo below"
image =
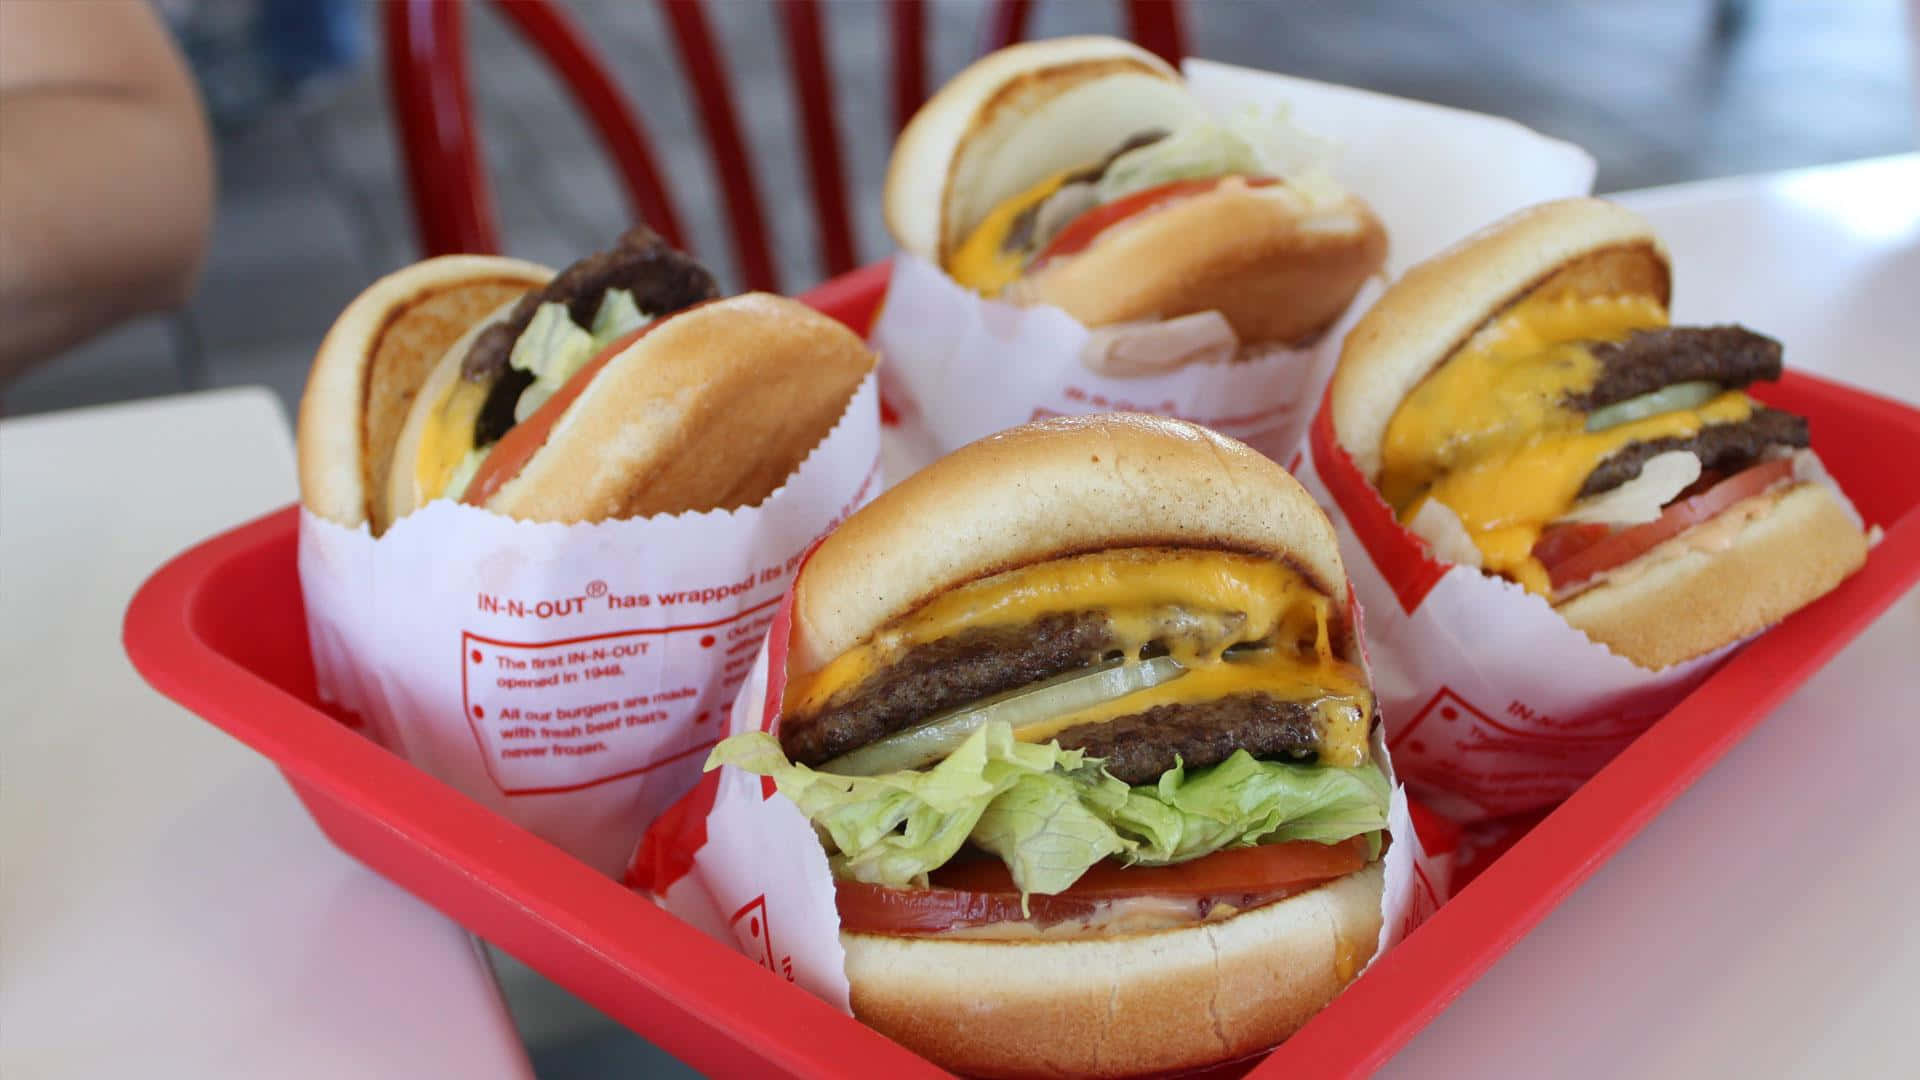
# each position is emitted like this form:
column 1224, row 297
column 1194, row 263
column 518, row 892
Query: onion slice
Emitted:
column 1038, row 703
column 1686, row 395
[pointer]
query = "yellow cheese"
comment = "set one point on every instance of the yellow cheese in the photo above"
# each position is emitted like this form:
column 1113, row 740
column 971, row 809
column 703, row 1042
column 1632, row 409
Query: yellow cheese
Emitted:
column 982, row 263
column 448, row 437
column 1194, row 603
column 1489, row 435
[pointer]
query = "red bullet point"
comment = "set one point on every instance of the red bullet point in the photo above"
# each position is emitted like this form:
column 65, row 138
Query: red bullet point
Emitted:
column 706, row 641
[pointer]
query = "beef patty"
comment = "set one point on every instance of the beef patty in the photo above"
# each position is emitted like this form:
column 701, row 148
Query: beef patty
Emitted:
column 661, row 280
column 939, row 675
column 1649, row 360
column 1725, row 448
column 1138, row 748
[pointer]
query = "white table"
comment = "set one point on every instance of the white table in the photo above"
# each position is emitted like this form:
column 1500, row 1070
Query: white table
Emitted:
column 166, row 906
column 1766, row 923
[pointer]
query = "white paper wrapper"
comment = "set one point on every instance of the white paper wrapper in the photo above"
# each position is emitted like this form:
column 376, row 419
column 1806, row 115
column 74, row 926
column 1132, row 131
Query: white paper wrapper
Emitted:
column 1495, row 705
column 571, row 677
column 738, row 860
column 960, row 367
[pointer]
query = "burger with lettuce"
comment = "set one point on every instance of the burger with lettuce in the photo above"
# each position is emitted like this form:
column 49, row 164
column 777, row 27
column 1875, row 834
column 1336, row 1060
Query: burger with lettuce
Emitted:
column 1080, row 718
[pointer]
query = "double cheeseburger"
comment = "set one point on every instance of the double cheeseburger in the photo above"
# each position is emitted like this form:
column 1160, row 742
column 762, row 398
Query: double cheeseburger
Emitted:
column 1079, row 715
column 1081, row 172
column 620, row 387
column 1522, row 404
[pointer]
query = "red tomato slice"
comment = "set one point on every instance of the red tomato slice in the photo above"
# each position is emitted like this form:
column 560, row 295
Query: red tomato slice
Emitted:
column 1571, row 564
column 1562, row 540
column 524, row 439
column 979, row 891
column 1081, row 232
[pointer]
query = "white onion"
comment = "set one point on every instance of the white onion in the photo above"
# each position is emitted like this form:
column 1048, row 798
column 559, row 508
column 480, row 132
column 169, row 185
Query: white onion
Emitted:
column 1030, row 705
column 1686, row 395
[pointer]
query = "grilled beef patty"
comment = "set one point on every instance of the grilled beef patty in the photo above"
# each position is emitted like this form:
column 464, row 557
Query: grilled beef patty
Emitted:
column 1138, row 748
column 1725, row 448
column 1650, row 360
column 945, row 674
column 661, row 280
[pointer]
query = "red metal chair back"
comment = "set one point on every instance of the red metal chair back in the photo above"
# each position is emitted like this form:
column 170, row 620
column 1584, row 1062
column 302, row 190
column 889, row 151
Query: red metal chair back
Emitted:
column 453, row 203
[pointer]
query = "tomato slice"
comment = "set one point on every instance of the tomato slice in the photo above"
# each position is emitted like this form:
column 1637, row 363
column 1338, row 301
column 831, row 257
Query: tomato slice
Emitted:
column 975, row 892
column 1562, row 540
column 1568, row 563
column 1080, row 233
column 524, row 439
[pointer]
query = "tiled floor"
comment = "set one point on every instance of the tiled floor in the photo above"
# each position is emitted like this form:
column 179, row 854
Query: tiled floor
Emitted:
column 312, row 207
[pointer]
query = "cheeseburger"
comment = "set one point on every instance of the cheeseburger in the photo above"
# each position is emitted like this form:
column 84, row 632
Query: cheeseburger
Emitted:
column 1523, row 405
column 1082, row 173
column 1079, row 715
column 620, row 387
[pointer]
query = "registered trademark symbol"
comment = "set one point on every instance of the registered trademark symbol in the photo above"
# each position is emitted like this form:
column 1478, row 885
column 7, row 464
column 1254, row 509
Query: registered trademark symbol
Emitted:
column 596, row 588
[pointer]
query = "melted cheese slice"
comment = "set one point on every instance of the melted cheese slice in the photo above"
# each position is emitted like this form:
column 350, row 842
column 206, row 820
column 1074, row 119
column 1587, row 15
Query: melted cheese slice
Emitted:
column 982, row 263
column 448, row 438
column 1194, row 603
column 1489, row 433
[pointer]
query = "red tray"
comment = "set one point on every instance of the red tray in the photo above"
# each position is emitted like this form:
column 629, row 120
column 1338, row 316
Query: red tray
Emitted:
column 220, row 630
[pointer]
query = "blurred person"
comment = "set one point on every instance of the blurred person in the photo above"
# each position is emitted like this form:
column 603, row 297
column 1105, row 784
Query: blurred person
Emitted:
column 106, row 173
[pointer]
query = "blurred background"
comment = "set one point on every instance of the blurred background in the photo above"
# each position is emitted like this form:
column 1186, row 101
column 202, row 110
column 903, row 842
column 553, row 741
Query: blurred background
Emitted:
column 312, row 203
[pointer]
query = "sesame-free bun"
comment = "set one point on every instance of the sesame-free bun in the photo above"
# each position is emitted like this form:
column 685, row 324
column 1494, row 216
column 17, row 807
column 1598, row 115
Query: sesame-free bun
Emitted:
column 1682, row 599
column 1279, row 266
column 1123, row 1005
column 1049, row 490
column 1013, row 118
column 1573, row 247
column 371, row 365
column 1678, row 601
column 713, row 408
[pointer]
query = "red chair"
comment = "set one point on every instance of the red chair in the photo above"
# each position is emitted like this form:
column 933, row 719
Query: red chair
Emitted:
column 453, row 204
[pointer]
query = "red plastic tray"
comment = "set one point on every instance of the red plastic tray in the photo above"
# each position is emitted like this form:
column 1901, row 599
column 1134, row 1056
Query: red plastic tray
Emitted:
column 220, row 630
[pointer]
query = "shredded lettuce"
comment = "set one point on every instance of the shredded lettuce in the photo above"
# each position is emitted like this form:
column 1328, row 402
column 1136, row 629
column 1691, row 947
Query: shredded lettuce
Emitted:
column 553, row 348
column 618, row 315
column 1050, row 814
column 1248, row 142
column 463, row 472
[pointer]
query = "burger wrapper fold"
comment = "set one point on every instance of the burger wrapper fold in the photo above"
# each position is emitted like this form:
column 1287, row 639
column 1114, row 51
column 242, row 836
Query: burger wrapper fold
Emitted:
column 571, row 677
column 960, row 366
column 741, row 863
column 1494, row 704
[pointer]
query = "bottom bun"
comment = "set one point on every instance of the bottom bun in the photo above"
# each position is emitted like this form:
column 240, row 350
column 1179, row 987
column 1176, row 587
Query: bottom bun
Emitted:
column 1122, row 1006
column 1677, row 601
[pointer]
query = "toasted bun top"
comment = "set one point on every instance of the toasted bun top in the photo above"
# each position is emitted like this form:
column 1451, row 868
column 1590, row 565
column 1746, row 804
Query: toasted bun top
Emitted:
column 1578, row 247
column 713, row 409
column 372, row 363
column 1013, row 118
column 1048, row 490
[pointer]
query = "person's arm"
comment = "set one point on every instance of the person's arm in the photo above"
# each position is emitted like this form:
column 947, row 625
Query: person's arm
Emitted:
column 106, row 173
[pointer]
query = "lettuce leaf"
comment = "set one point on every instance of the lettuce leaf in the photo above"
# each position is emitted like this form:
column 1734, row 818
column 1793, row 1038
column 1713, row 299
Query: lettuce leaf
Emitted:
column 1249, row 142
column 553, row 346
column 1050, row 814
